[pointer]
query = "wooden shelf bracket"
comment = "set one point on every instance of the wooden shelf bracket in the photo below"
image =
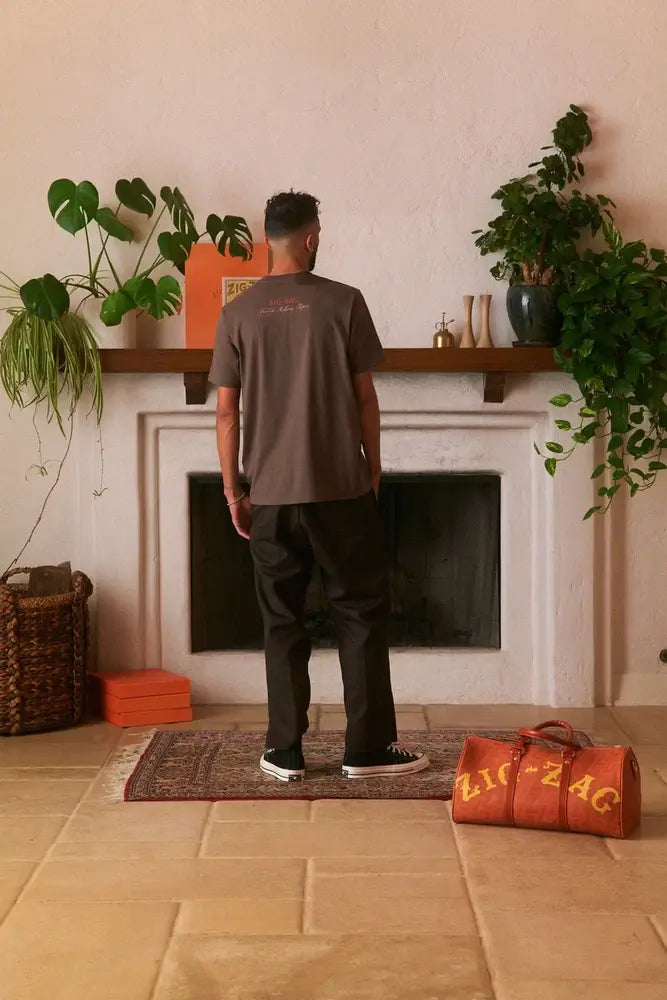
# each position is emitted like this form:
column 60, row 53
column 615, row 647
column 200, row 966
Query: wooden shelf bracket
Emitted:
column 494, row 387
column 196, row 388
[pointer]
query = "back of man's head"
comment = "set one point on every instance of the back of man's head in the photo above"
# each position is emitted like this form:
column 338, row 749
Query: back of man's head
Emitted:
column 288, row 213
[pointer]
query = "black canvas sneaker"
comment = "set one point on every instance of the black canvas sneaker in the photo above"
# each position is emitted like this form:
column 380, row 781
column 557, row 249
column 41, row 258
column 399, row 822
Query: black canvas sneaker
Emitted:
column 285, row 765
column 392, row 760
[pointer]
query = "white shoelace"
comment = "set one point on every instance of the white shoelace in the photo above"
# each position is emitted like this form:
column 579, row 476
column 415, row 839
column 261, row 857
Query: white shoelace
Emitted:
column 395, row 748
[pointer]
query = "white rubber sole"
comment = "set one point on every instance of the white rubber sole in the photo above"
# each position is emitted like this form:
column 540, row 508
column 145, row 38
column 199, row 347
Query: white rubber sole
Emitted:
column 281, row 773
column 387, row 770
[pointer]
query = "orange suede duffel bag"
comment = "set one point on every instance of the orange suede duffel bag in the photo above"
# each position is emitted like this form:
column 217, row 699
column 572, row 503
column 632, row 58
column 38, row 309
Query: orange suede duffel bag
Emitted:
column 582, row 789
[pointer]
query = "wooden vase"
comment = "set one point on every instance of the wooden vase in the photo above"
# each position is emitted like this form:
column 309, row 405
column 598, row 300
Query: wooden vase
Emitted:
column 468, row 338
column 485, row 338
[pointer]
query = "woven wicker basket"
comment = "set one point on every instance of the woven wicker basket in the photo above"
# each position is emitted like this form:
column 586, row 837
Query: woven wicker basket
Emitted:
column 43, row 648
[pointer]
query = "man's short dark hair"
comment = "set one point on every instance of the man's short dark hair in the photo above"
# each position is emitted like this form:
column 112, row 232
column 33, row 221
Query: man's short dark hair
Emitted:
column 288, row 212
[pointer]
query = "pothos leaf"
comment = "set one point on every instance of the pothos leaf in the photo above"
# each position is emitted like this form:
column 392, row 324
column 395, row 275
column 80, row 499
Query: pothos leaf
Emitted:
column 562, row 400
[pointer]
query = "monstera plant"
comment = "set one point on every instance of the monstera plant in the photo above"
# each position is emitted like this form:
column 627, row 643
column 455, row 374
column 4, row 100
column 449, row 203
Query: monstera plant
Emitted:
column 76, row 208
column 48, row 353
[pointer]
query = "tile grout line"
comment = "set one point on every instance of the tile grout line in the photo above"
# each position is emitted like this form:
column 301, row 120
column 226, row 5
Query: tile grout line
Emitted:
column 653, row 922
column 170, row 939
column 205, row 830
column 475, row 914
column 306, row 902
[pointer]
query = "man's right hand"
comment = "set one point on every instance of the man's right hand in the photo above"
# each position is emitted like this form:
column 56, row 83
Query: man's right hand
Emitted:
column 242, row 516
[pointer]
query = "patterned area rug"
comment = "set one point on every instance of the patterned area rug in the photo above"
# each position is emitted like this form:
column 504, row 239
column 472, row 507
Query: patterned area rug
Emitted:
column 211, row 766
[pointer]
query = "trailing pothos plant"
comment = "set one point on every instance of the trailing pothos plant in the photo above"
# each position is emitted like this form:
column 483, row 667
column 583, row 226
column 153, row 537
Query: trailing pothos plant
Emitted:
column 76, row 208
column 544, row 214
column 615, row 347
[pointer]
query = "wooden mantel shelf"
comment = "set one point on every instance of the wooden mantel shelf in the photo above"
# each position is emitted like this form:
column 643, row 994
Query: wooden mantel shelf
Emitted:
column 494, row 363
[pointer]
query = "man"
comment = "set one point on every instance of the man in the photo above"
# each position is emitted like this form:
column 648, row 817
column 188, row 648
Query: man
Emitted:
column 301, row 348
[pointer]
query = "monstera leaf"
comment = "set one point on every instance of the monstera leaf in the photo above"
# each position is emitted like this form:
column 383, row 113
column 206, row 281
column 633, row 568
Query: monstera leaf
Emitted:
column 115, row 306
column 45, row 297
column 112, row 225
column 159, row 299
column 136, row 195
column 73, row 205
column 180, row 211
column 175, row 247
column 230, row 234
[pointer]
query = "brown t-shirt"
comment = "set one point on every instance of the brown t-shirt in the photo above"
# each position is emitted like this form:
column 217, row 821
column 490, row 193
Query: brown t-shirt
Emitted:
column 292, row 343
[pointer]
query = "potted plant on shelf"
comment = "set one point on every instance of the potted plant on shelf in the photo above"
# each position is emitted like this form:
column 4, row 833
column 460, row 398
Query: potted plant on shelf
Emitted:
column 543, row 221
column 614, row 345
column 48, row 353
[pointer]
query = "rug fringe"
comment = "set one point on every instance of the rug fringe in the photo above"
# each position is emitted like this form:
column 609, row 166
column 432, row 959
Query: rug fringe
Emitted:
column 120, row 766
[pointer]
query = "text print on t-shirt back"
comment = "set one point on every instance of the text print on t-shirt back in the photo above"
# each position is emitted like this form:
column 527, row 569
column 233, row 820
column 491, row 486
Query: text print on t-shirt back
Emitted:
column 291, row 304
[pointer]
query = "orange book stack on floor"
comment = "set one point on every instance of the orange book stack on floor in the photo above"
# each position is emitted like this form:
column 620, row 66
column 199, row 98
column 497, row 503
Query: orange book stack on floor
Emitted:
column 142, row 697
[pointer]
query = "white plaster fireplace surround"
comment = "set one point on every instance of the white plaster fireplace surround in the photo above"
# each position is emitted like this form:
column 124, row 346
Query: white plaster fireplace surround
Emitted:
column 431, row 423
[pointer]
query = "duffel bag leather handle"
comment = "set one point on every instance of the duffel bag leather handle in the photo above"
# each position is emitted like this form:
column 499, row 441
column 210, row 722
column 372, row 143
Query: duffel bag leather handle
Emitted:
column 538, row 734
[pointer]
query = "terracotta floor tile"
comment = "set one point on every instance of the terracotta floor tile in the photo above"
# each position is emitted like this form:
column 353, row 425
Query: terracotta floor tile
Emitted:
column 126, row 821
column 643, row 725
column 648, row 843
column 48, row 774
column 391, row 903
column 28, row 838
column 569, row 945
column 378, row 810
column 313, row 967
column 240, row 916
column 34, row 751
column 96, row 951
column 13, row 877
column 92, row 732
column 488, row 842
column 309, row 840
column 654, row 793
column 169, row 879
column 260, row 811
column 587, row 885
column 652, row 755
column 130, row 850
column 40, row 797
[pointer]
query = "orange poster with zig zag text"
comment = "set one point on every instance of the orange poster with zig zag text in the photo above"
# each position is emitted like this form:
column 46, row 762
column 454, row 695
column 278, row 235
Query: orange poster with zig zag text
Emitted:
column 211, row 281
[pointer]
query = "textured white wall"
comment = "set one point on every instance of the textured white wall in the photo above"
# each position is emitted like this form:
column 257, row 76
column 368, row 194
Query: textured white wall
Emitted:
column 401, row 115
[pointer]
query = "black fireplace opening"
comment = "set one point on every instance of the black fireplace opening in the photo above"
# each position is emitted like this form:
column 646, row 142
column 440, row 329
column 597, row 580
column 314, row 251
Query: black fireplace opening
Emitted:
column 442, row 537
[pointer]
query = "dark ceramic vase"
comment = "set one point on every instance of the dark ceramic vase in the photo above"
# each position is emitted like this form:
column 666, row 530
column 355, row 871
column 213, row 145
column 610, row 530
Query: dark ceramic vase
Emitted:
column 534, row 314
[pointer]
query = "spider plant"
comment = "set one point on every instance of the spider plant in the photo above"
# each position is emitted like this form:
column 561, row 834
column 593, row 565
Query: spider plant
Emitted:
column 48, row 353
